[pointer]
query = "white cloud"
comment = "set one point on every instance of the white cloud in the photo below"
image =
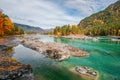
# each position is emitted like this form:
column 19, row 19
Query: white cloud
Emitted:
column 36, row 12
column 50, row 13
column 88, row 7
column 84, row 6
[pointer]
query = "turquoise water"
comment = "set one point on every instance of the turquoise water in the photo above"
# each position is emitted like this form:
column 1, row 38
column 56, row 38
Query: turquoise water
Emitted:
column 104, row 57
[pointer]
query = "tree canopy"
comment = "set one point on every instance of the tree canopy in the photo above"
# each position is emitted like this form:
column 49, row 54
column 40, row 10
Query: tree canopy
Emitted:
column 67, row 30
column 7, row 27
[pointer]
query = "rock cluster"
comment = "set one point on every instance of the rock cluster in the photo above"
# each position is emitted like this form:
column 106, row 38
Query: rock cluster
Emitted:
column 85, row 71
column 54, row 50
column 12, row 69
column 6, row 50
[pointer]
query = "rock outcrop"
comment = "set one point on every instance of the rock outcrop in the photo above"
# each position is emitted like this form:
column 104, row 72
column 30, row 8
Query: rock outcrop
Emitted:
column 54, row 50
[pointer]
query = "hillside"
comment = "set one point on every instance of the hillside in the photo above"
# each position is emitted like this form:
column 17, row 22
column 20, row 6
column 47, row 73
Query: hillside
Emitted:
column 7, row 27
column 106, row 22
column 29, row 28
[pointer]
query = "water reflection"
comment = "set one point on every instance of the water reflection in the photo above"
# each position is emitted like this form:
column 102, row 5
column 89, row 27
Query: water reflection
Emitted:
column 104, row 57
column 44, row 68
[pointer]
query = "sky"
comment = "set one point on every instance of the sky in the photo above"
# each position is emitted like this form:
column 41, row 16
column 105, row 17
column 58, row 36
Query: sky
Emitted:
column 51, row 13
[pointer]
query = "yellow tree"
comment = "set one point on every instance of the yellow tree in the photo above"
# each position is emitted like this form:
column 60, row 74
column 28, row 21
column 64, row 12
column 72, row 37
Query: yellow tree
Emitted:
column 8, row 25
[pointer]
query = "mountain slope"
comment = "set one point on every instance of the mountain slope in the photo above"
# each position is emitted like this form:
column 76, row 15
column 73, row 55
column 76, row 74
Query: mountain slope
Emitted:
column 106, row 22
column 30, row 28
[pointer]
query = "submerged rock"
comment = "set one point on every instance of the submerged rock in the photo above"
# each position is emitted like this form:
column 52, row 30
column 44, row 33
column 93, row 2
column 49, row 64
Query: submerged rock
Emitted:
column 85, row 71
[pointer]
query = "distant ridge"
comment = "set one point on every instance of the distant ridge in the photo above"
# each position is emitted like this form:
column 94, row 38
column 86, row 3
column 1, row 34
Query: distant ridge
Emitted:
column 30, row 28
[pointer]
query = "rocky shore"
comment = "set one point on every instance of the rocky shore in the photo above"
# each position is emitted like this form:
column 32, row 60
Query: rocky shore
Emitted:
column 12, row 69
column 82, row 37
column 53, row 50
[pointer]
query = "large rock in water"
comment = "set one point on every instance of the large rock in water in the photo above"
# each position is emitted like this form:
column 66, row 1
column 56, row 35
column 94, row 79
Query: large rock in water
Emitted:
column 12, row 69
column 57, row 51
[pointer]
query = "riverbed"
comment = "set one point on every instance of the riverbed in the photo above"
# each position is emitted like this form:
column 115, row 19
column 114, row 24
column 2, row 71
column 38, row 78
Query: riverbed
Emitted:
column 104, row 57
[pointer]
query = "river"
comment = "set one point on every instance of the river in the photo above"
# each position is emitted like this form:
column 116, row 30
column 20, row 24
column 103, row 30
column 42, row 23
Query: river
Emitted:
column 104, row 57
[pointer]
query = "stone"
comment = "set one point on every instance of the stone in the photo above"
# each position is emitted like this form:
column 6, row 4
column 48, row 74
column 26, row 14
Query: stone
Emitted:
column 57, row 51
column 12, row 69
column 85, row 70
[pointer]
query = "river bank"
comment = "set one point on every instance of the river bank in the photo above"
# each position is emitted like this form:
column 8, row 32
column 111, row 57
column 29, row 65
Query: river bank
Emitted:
column 91, row 38
column 12, row 69
column 82, row 37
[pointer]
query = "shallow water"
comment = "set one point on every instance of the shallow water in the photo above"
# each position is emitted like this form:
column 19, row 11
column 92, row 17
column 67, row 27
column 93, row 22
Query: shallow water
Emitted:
column 104, row 57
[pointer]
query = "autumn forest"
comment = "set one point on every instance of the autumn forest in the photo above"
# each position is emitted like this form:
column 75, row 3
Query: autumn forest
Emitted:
column 7, row 27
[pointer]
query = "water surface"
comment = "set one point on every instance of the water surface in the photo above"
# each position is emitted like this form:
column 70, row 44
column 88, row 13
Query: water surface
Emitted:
column 104, row 57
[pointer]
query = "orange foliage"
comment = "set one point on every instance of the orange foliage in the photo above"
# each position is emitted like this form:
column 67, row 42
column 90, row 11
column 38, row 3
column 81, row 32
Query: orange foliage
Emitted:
column 1, row 24
column 6, row 25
